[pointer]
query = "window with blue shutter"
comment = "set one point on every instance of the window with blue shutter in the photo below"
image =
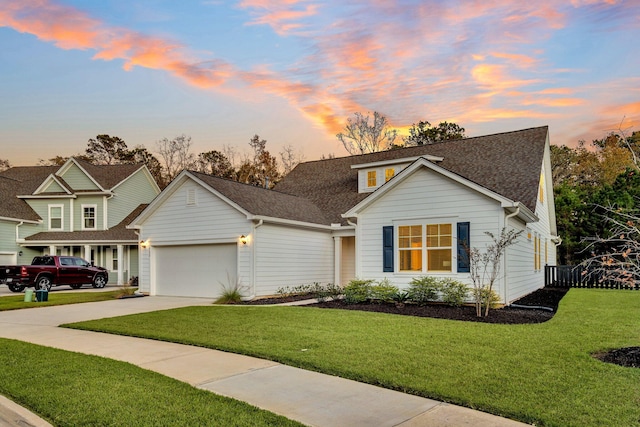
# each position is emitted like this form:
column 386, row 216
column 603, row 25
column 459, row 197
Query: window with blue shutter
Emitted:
column 463, row 247
column 387, row 248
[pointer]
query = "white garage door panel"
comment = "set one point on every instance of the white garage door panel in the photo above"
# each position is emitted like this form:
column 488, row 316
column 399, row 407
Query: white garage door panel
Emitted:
column 195, row 270
column 7, row 259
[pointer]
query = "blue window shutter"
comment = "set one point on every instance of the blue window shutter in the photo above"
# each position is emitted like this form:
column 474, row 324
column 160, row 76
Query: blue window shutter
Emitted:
column 387, row 248
column 463, row 246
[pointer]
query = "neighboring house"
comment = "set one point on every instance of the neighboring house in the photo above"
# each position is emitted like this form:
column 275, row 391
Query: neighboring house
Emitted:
column 76, row 209
column 396, row 214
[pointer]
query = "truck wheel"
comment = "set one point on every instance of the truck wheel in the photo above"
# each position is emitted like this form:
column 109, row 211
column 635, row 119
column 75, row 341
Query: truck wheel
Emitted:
column 16, row 288
column 43, row 283
column 99, row 282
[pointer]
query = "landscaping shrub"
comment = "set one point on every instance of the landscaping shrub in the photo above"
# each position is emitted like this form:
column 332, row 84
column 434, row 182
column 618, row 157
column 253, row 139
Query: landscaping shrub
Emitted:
column 486, row 294
column 383, row 291
column 357, row 291
column 423, row 289
column 453, row 292
column 316, row 290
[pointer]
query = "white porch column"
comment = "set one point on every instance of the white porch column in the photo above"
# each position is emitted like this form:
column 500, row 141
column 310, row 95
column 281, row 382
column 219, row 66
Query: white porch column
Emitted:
column 87, row 253
column 120, row 265
column 337, row 260
column 52, row 249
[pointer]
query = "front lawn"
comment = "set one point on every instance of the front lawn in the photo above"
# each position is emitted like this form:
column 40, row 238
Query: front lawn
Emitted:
column 542, row 373
column 16, row 302
column 72, row 389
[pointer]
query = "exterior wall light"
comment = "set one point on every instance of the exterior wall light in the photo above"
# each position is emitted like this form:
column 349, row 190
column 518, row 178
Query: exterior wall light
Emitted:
column 144, row 244
column 243, row 239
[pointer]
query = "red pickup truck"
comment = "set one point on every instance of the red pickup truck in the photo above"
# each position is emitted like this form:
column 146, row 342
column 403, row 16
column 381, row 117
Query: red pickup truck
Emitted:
column 47, row 271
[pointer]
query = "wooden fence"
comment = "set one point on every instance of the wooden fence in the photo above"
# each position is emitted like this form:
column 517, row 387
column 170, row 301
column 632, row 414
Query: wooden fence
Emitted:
column 570, row 276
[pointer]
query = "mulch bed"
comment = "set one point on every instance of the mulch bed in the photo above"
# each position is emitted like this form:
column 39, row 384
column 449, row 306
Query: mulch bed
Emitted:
column 545, row 297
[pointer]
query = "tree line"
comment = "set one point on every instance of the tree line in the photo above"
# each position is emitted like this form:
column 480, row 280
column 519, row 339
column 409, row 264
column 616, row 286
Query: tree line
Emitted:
column 171, row 156
column 593, row 183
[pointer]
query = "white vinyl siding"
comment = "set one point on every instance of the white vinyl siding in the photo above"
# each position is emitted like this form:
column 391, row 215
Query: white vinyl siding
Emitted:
column 211, row 221
column 287, row 256
column 425, row 197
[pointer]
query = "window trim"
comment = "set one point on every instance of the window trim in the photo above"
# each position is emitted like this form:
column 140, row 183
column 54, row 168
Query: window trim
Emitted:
column 84, row 218
column 424, row 223
column 61, row 206
column 389, row 173
column 372, row 179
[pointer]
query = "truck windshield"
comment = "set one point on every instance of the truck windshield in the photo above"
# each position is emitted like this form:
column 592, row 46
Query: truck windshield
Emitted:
column 43, row 260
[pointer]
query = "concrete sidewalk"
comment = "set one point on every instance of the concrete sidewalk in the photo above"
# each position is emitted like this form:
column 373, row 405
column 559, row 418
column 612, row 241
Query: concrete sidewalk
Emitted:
column 309, row 397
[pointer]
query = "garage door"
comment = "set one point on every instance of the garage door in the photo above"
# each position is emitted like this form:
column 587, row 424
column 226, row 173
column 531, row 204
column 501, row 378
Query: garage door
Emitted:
column 8, row 259
column 194, row 270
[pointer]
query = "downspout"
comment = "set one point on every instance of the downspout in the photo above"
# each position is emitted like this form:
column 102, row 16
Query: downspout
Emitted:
column 253, row 257
column 506, row 223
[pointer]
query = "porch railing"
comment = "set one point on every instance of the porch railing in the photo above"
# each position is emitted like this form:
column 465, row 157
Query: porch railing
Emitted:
column 576, row 276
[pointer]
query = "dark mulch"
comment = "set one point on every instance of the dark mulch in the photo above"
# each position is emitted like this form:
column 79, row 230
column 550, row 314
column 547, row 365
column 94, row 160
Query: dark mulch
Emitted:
column 546, row 297
column 627, row 356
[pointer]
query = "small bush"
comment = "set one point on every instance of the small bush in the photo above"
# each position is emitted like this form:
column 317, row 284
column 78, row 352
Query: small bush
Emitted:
column 357, row 291
column 423, row 289
column 329, row 290
column 493, row 298
column 383, row 291
column 229, row 296
column 316, row 290
column 454, row 293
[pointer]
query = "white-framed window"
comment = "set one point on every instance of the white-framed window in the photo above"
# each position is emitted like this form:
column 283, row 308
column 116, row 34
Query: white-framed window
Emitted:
column 425, row 247
column 389, row 173
column 56, row 217
column 89, row 217
column 372, row 178
column 114, row 259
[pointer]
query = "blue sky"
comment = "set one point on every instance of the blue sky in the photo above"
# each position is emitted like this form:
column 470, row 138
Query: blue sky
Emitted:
column 293, row 71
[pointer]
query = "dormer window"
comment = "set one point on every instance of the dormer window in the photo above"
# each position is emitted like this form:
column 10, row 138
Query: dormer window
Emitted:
column 389, row 173
column 371, row 179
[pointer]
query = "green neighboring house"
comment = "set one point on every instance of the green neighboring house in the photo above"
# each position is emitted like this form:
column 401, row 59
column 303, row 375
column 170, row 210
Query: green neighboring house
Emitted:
column 77, row 209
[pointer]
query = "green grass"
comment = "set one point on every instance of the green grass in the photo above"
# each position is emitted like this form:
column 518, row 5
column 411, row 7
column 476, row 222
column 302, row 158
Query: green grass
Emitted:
column 72, row 389
column 16, row 302
column 541, row 373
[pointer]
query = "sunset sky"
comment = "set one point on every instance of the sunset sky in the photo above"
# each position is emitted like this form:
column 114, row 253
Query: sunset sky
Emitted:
column 293, row 71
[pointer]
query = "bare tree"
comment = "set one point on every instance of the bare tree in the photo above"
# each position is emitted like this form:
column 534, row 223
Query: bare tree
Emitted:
column 290, row 159
column 361, row 137
column 4, row 164
column 616, row 258
column 485, row 267
column 175, row 155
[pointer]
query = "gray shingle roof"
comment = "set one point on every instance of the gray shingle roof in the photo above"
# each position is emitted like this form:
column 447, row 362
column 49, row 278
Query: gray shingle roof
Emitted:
column 260, row 201
column 321, row 191
column 506, row 163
